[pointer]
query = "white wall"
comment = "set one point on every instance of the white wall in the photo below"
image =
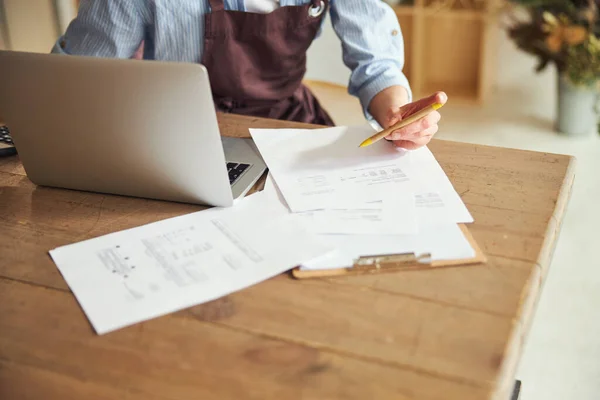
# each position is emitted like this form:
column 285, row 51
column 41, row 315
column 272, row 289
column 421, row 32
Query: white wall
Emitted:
column 325, row 58
column 66, row 11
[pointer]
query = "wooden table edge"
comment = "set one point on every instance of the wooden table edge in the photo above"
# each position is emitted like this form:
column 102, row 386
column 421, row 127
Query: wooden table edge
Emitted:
column 532, row 291
column 555, row 223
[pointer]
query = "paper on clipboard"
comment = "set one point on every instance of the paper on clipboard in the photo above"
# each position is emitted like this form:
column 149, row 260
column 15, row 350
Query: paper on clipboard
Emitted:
column 443, row 242
column 395, row 214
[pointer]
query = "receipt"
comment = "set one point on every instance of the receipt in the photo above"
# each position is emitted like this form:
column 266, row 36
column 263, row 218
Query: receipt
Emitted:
column 134, row 275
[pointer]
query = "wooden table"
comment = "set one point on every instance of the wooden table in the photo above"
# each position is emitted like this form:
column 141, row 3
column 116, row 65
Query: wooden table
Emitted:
column 453, row 333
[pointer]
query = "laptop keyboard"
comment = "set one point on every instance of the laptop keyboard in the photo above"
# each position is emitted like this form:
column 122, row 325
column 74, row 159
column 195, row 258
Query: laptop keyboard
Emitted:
column 5, row 135
column 7, row 147
column 235, row 171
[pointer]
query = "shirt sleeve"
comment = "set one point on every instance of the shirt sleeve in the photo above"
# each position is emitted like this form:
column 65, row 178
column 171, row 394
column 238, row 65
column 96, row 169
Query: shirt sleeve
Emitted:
column 372, row 45
column 105, row 28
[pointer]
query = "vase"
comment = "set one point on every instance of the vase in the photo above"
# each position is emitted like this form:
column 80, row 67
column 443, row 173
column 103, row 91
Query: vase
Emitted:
column 577, row 108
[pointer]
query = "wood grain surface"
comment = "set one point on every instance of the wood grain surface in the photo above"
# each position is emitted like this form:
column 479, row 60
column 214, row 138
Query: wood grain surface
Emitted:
column 444, row 334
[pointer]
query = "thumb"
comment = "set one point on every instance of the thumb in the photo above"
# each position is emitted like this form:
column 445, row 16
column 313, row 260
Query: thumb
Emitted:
column 411, row 108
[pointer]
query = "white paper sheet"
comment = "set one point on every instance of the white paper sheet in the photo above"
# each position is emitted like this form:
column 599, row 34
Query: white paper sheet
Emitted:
column 142, row 273
column 435, row 197
column 325, row 168
column 444, row 242
column 394, row 215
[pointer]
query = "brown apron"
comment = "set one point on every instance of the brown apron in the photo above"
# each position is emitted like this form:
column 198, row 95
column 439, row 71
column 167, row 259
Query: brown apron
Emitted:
column 256, row 62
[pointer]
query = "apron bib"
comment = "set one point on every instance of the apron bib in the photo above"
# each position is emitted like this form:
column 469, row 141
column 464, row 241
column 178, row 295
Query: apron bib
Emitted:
column 256, row 62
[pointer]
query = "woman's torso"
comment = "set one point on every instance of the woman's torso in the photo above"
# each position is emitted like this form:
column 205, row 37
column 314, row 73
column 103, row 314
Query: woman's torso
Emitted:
column 167, row 21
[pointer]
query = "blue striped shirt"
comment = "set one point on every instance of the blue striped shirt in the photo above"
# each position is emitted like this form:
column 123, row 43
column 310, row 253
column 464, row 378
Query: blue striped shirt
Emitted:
column 369, row 31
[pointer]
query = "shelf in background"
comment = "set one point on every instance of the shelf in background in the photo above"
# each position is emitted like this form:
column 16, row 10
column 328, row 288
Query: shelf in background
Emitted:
column 457, row 93
column 447, row 47
column 454, row 14
column 453, row 53
column 404, row 10
column 455, row 5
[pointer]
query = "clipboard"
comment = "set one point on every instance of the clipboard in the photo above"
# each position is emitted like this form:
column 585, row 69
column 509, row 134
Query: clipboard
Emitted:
column 385, row 263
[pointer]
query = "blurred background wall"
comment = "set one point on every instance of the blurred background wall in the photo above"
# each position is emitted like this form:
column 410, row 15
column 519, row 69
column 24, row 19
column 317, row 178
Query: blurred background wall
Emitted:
column 30, row 25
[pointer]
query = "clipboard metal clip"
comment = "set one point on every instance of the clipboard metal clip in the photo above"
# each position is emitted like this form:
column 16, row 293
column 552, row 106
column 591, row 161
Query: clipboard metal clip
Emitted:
column 393, row 262
column 387, row 262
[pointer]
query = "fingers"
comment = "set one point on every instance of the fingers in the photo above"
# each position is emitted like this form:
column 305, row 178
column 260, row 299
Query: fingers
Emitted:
column 411, row 108
column 417, row 128
column 420, row 141
column 139, row 53
column 396, row 113
column 420, row 132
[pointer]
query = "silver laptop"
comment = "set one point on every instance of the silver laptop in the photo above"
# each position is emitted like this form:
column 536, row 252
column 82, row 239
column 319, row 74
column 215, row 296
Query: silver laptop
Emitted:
column 135, row 128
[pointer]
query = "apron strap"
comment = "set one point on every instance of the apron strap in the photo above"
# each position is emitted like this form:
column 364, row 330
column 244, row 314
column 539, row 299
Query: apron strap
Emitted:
column 216, row 5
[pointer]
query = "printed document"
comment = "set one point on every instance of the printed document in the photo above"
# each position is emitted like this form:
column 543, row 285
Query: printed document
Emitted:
column 394, row 215
column 142, row 273
column 325, row 168
column 435, row 197
column 443, row 242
